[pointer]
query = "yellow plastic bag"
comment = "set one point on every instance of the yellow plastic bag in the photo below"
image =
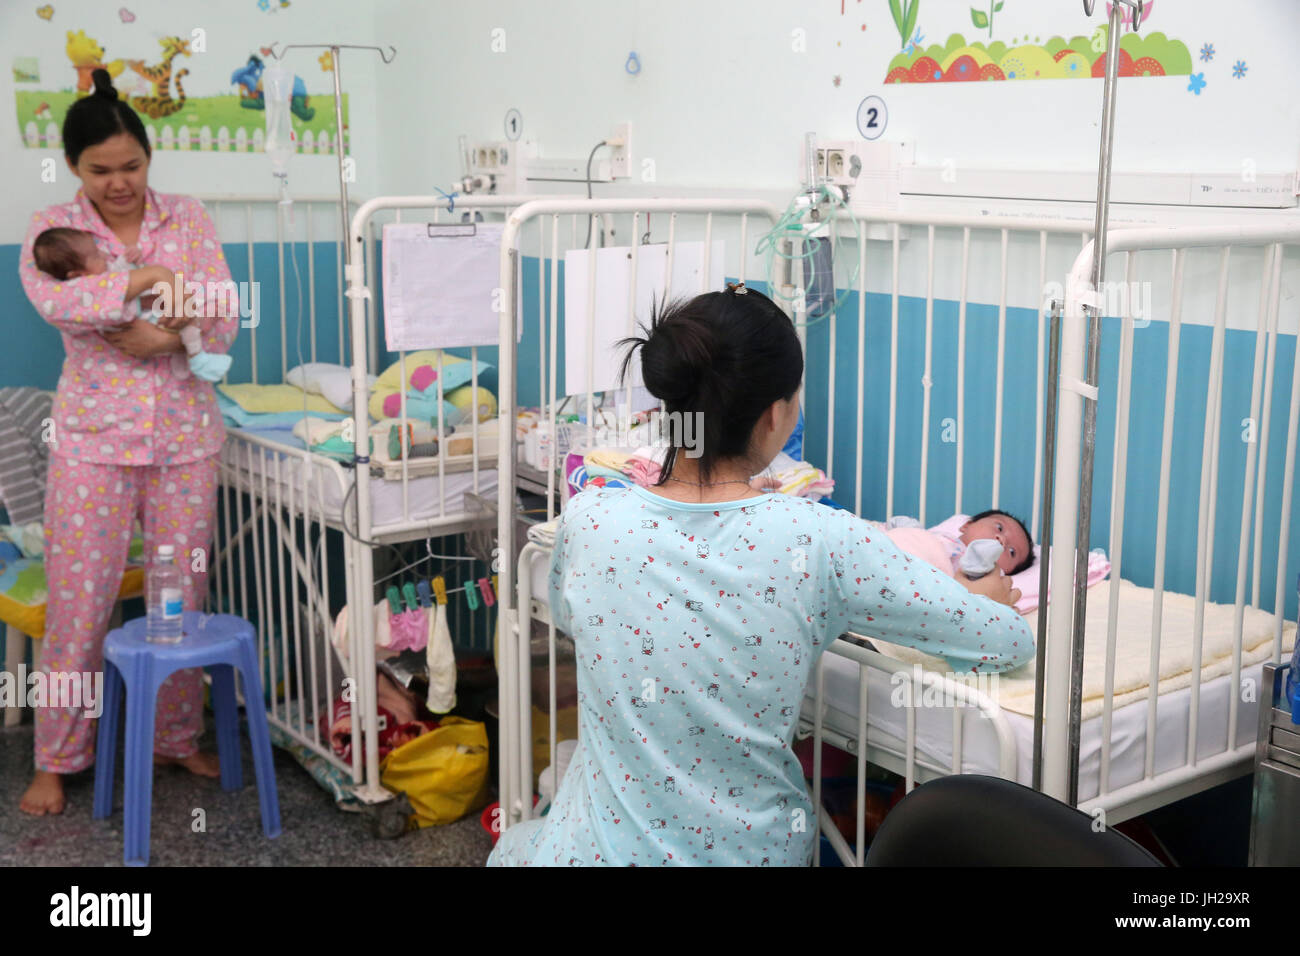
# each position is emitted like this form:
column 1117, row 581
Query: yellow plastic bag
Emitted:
column 444, row 773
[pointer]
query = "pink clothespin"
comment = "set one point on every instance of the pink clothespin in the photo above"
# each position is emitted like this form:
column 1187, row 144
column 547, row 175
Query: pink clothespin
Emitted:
column 485, row 586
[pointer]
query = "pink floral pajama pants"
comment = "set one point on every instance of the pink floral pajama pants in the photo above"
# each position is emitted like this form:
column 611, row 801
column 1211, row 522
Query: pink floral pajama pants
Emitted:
column 90, row 511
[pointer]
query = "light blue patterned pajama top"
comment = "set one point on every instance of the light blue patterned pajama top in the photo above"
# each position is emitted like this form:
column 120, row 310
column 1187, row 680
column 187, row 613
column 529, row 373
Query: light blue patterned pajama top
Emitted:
column 697, row 628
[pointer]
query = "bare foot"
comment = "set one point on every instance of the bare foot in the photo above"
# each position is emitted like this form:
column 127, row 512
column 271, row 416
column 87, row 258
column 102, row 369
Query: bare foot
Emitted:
column 44, row 795
column 203, row 763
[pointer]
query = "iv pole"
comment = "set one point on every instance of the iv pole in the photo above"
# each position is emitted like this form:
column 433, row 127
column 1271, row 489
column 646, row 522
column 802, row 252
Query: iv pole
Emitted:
column 371, row 791
column 387, row 57
column 1089, row 445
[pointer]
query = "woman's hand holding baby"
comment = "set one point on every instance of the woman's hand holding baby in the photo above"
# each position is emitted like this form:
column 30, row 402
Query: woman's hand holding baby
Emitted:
column 143, row 340
column 144, row 282
column 995, row 585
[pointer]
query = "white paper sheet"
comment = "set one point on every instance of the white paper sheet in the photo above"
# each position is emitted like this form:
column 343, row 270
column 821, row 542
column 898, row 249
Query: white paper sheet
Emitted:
column 613, row 293
column 441, row 285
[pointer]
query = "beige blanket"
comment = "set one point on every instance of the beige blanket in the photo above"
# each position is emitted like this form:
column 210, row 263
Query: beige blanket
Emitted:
column 1014, row 690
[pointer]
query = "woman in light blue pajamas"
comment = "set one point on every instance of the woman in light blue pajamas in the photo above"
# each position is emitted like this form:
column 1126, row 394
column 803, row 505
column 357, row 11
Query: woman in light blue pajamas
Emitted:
column 699, row 610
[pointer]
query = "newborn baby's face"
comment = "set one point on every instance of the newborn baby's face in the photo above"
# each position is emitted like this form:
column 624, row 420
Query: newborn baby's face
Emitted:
column 1000, row 528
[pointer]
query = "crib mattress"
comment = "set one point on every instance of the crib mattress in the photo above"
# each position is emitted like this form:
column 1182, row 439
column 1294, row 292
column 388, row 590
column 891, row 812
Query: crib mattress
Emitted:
column 934, row 732
column 428, row 497
column 1129, row 716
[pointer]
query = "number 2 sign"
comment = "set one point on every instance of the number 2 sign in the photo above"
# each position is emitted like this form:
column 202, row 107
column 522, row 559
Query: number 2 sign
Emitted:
column 872, row 117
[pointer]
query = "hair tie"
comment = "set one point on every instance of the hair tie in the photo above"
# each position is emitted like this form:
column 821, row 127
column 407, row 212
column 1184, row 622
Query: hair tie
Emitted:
column 737, row 287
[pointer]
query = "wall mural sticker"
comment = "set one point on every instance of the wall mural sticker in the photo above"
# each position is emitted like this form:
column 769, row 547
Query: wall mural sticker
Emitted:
column 27, row 69
column 982, row 19
column 189, row 98
column 960, row 59
column 904, row 13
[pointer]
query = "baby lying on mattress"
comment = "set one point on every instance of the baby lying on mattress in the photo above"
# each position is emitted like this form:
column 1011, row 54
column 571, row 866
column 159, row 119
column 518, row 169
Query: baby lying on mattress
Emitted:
column 982, row 551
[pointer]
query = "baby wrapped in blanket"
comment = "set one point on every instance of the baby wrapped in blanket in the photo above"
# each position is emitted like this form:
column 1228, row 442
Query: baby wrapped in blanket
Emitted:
column 68, row 253
column 971, row 550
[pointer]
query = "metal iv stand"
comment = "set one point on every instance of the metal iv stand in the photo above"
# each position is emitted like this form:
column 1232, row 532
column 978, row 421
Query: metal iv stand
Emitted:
column 371, row 792
column 387, row 56
column 1089, row 448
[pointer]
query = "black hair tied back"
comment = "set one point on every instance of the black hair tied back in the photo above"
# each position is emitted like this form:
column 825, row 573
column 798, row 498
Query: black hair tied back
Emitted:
column 98, row 117
column 103, row 84
column 723, row 356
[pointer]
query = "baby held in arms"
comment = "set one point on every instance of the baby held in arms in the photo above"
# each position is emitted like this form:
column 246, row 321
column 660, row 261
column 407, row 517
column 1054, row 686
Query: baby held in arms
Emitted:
column 71, row 253
column 982, row 552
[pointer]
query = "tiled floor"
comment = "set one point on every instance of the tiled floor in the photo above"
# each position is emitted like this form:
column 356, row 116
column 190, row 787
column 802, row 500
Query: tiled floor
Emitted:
column 315, row 833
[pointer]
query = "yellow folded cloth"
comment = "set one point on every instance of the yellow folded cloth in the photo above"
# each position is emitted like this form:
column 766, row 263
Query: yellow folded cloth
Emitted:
column 610, row 458
column 276, row 398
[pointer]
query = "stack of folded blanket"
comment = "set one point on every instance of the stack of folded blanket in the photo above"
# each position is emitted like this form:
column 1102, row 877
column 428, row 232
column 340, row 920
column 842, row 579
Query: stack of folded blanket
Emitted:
column 543, row 533
column 316, row 403
column 611, row 467
column 798, row 478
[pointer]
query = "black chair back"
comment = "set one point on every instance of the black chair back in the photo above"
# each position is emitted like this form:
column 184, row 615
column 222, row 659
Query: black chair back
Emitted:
column 975, row 820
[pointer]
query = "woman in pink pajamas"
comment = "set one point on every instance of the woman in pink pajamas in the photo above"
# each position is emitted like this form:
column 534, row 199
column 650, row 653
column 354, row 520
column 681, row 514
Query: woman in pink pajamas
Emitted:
column 134, row 434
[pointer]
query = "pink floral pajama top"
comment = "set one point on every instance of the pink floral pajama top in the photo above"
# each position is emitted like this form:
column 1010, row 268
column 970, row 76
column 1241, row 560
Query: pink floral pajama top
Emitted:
column 112, row 409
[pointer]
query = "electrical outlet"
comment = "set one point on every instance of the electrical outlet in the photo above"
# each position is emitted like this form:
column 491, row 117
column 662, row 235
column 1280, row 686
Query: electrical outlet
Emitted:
column 620, row 152
column 835, row 165
column 500, row 162
column 851, row 163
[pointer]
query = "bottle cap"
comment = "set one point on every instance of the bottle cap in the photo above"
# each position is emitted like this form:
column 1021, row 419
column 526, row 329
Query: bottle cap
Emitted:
column 166, row 551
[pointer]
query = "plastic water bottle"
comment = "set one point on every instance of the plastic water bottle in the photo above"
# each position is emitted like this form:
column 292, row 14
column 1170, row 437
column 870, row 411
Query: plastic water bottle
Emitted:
column 164, row 592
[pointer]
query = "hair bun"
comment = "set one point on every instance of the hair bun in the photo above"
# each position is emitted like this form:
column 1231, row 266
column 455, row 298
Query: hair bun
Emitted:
column 677, row 358
column 103, row 84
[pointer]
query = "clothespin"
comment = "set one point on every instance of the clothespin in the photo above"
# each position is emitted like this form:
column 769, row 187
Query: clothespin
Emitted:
column 394, row 599
column 496, row 588
column 485, row 587
column 408, row 592
column 426, row 595
column 440, row 589
column 470, row 597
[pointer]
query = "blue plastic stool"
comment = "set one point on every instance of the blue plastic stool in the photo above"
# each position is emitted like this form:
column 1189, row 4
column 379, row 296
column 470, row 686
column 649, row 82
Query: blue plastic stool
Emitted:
column 219, row 642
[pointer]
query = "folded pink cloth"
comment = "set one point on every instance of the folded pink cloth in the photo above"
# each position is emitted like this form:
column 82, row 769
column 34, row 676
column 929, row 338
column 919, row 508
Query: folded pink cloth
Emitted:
column 643, row 471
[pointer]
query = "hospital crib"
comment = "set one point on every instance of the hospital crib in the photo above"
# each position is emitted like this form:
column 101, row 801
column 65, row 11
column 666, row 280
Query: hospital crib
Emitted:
column 902, row 433
column 300, row 534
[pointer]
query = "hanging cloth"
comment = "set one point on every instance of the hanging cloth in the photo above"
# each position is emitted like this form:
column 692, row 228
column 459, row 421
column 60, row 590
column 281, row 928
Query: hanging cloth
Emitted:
column 442, row 663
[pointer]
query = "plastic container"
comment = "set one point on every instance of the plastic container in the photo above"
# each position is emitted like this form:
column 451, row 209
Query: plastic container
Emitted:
column 165, row 598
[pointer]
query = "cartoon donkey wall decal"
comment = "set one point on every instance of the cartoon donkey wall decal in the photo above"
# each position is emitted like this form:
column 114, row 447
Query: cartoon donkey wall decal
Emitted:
column 249, row 80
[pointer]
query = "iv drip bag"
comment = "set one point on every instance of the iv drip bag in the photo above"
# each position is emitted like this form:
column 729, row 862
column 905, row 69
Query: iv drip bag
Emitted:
column 277, row 86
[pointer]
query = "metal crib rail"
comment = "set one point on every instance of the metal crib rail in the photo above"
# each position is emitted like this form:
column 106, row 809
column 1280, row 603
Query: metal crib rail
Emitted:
column 1060, row 724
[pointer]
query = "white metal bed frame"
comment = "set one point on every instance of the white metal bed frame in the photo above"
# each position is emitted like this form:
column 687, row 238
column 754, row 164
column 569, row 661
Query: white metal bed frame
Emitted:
column 1154, row 790
column 286, row 489
column 274, row 495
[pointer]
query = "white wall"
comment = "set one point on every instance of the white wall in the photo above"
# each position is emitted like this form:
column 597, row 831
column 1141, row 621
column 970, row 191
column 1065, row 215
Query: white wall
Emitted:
column 723, row 99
